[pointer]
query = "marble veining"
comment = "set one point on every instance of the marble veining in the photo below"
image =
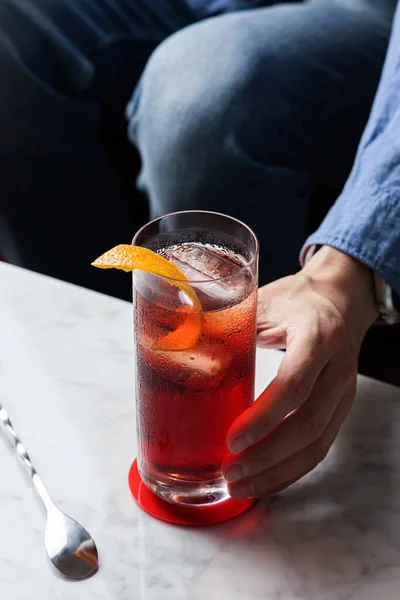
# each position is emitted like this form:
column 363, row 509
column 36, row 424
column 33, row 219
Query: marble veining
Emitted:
column 66, row 379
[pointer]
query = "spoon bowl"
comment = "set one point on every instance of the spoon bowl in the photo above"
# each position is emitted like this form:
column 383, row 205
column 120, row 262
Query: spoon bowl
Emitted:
column 69, row 546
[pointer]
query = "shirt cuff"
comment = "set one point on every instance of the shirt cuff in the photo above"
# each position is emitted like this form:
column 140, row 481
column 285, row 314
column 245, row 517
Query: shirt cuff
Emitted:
column 365, row 226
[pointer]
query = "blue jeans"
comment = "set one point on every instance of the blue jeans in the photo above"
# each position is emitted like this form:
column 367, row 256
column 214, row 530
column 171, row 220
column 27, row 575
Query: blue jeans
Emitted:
column 256, row 113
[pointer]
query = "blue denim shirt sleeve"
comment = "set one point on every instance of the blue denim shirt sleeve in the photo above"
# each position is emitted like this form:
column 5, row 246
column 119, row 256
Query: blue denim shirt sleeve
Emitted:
column 365, row 220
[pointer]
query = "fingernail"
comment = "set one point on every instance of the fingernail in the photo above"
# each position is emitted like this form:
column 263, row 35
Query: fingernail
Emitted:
column 242, row 490
column 235, row 472
column 240, row 443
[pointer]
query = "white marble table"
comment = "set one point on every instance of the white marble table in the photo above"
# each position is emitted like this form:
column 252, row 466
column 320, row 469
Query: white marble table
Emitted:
column 66, row 380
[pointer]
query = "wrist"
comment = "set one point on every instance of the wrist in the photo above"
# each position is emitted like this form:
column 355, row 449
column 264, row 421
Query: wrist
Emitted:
column 346, row 281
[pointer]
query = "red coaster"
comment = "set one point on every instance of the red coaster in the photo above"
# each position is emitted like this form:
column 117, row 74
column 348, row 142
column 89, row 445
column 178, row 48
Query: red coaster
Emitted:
column 189, row 516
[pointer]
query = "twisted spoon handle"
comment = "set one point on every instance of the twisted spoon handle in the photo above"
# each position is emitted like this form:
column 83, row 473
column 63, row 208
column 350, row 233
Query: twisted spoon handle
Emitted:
column 23, row 455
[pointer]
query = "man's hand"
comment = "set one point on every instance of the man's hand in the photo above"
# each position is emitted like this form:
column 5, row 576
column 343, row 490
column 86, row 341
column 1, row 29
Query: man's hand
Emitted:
column 320, row 315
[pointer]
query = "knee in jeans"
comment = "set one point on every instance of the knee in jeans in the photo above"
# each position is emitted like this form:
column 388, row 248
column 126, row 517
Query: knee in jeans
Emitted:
column 204, row 89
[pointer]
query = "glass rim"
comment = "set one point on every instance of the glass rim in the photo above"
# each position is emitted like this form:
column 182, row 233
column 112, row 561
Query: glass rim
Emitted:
column 247, row 265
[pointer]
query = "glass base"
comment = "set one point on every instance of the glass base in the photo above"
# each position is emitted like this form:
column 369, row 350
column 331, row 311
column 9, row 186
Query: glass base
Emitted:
column 184, row 491
column 186, row 515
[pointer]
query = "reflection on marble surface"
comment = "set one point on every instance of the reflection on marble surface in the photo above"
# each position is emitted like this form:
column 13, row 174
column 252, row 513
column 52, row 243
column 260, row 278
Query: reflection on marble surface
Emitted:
column 66, row 380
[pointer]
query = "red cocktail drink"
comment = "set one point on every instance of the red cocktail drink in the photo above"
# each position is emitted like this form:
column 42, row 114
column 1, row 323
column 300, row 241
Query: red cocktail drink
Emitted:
column 195, row 361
